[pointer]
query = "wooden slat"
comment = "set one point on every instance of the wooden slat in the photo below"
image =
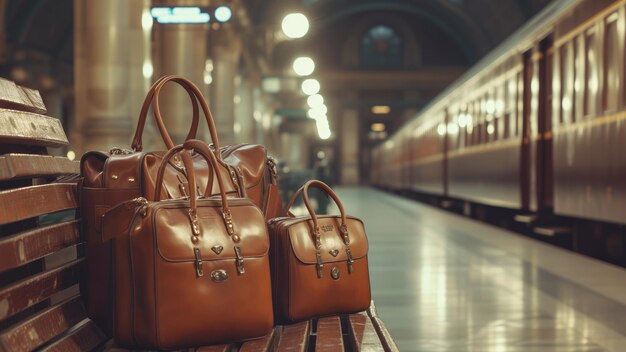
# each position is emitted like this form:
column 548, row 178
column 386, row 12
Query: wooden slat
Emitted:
column 263, row 344
column 13, row 166
column 85, row 337
column 26, row 202
column 295, row 337
column 30, row 245
column 371, row 311
column 218, row 348
column 34, row 332
column 329, row 336
column 384, row 335
column 32, row 129
column 23, row 294
column 381, row 329
column 363, row 335
column 17, row 97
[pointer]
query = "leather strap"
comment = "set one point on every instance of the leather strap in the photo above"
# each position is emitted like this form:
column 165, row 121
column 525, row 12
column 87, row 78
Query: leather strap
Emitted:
column 137, row 143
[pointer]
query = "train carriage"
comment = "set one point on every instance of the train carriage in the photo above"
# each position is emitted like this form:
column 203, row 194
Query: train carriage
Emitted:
column 537, row 126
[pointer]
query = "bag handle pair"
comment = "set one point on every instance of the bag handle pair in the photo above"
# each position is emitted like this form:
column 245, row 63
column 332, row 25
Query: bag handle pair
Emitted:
column 152, row 98
column 202, row 149
column 343, row 228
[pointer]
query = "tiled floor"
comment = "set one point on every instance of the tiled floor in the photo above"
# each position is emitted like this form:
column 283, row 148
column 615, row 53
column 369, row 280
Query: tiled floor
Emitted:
column 442, row 282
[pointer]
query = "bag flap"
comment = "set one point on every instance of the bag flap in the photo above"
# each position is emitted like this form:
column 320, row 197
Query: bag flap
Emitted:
column 173, row 231
column 333, row 247
column 174, row 177
column 250, row 159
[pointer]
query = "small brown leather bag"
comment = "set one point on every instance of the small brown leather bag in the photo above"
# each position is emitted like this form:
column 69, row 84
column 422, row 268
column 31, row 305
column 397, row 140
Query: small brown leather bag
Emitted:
column 319, row 263
column 121, row 175
column 191, row 271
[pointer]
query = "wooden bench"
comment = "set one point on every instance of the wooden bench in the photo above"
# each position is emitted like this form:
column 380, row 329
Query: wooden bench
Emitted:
column 41, row 252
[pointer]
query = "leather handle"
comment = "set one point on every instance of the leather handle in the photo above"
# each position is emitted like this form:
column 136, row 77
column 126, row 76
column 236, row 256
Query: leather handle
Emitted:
column 304, row 190
column 137, row 142
column 202, row 149
column 343, row 229
column 190, row 87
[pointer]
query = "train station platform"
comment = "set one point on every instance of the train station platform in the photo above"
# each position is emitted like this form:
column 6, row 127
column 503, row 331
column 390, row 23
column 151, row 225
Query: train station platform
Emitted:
column 443, row 282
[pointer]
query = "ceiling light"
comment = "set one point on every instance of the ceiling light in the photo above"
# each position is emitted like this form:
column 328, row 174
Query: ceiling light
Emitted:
column 223, row 13
column 303, row 66
column 378, row 127
column 295, row 25
column 310, row 86
column 315, row 100
column 381, row 109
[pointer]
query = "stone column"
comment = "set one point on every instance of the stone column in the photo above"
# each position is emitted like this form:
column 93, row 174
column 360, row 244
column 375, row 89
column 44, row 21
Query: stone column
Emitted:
column 102, row 74
column 245, row 128
column 140, row 67
column 349, row 146
column 225, row 53
column 182, row 50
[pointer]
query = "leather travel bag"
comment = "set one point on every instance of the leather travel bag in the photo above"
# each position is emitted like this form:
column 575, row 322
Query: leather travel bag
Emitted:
column 189, row 271
column 111, row 178
column 319, row 263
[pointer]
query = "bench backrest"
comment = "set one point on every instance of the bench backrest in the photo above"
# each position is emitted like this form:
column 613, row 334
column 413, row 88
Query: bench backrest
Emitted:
column 40, row 244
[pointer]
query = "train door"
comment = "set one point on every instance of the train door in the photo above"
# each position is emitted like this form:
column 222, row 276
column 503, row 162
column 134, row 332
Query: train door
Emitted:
column 543, row 157
column 536, row 161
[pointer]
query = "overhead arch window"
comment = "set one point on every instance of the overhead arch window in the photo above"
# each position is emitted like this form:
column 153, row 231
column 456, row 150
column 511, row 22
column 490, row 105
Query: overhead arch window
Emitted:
column 381, row 48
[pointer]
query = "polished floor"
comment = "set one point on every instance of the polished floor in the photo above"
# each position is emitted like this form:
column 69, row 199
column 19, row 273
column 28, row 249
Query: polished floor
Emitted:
column 442, row 282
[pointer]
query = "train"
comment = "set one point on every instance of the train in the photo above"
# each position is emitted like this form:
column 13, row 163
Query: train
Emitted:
column 536, row 129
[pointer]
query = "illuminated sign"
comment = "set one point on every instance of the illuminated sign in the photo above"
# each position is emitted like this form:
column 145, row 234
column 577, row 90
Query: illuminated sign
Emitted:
column 190, row 14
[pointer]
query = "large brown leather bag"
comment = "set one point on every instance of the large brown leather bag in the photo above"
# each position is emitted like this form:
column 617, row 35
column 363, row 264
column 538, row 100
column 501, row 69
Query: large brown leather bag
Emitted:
column 319, row 263
column 189, row 272
column 114, row 177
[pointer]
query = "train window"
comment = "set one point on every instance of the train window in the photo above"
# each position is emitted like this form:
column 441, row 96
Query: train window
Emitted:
column 591, row 74
column 567, row 83
column 562, row 80
column 520, row 103
column 579, row 67
column 507, row 108
column 610, row 86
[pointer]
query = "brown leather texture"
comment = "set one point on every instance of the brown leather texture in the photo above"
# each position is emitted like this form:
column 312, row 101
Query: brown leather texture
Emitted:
column 305, row 287
column 121, row 175
column 161, row 299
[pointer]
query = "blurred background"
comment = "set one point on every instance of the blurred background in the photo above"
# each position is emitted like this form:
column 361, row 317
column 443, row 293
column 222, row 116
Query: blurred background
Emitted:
column 319, row 82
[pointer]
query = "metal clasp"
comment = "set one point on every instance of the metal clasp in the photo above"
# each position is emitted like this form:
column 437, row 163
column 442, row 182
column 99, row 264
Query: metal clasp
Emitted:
column 320, row 265
column 230, row 228
column 198, row 262
column 120, row 151
column 181, row 186
column 350, row 260
column 195, row 226
column 239, row 261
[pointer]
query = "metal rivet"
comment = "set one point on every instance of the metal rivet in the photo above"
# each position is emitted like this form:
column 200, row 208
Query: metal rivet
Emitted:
column 114, row 177
column 131, row 179
column 236, row 238
column 195, row 239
